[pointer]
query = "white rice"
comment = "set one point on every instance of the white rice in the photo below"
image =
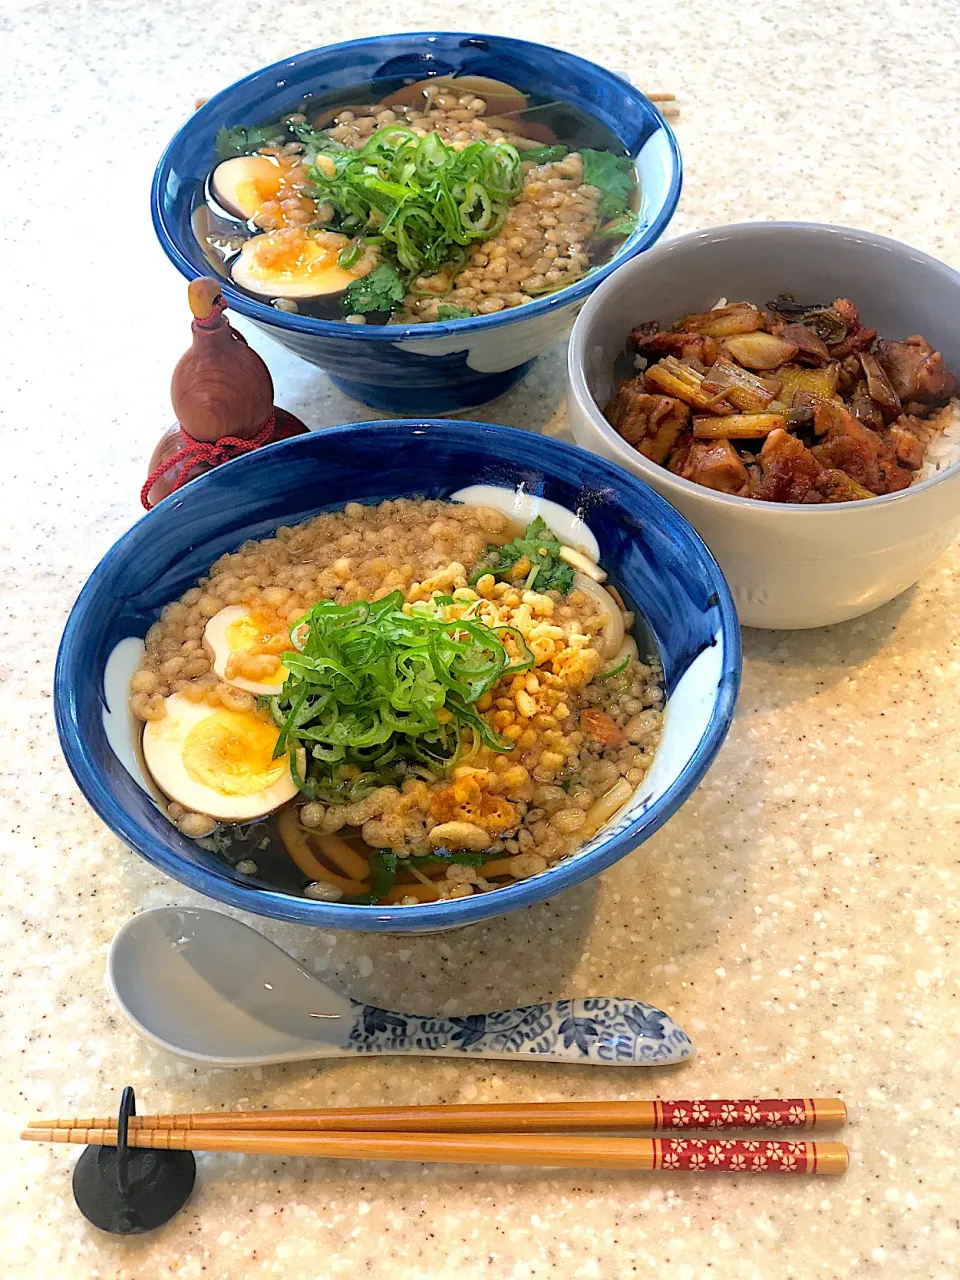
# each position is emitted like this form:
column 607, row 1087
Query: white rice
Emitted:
column 944, row 448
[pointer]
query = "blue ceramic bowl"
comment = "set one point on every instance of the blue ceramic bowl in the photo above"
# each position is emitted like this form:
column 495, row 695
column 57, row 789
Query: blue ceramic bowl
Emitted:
column 651, row 552
column 427, row 368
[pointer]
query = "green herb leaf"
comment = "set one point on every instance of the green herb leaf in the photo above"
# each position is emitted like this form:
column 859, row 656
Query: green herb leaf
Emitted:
column 317, row 142
column 622, row 226
column 462, row 857
column 447, row 311
column 614, row 175
column 383, row 873
column 467, row 858
column 544, row 154
column 380, row 290
column 243, row 140
column 541, row 547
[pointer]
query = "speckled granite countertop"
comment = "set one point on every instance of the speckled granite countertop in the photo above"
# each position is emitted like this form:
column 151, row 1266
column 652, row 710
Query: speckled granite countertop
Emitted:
column 799, row 916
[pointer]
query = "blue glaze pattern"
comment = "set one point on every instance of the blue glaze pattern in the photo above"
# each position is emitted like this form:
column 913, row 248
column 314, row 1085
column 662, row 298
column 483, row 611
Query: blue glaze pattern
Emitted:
column 428, row 368
column 650, row 551
column 606, row 1030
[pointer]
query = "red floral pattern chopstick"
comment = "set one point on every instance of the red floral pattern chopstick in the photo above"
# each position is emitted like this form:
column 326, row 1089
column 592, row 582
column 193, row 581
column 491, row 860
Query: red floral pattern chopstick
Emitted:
column 753, row 1113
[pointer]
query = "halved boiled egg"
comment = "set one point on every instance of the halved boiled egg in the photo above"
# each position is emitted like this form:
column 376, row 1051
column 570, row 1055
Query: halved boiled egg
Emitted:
column 290, row 263
column 243, row 184
column 216, row 761
column 233, row 633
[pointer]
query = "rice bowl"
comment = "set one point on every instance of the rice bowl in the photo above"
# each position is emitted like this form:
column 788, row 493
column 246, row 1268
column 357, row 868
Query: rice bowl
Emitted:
column 788, row 566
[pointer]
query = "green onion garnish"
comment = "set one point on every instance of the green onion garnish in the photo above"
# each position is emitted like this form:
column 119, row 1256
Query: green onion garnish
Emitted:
column 385, row 691
column 350, row 256
column 615, row 671
column 424, row 199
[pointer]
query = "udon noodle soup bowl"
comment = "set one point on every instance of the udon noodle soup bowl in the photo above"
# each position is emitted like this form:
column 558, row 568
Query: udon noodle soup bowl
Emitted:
column 788, row 566
column 445, row 365
column 651, row 553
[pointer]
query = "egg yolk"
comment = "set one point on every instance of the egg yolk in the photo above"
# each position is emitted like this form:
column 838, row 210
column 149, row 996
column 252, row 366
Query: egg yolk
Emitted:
column 292, row 254
column 249, row 633
column 258, row 190
column 232, row 753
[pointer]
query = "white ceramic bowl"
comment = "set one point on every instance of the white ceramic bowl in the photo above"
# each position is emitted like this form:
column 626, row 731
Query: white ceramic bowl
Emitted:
column 788, row 566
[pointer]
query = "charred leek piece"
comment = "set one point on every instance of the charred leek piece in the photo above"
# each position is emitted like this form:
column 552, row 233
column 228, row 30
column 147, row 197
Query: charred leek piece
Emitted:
column 744, row 390
column 723, row 322
column 879, row 387
column 741, row 426
column 820, row 384
column 674, row 378
column 837, row 486
column 761, row 350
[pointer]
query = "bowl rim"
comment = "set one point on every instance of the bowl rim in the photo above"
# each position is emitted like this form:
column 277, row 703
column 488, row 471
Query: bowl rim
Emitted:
column 578, row 383
column 310, row 326
column 425, row 917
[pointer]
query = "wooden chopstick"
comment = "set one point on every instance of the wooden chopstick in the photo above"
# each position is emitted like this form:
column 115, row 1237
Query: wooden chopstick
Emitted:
column 566, row 1151
column 789, row 1114
column 666, row 103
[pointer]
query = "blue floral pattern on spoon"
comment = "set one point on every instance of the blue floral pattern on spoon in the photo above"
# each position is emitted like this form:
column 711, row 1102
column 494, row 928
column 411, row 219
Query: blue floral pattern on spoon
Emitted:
column 607, row 1030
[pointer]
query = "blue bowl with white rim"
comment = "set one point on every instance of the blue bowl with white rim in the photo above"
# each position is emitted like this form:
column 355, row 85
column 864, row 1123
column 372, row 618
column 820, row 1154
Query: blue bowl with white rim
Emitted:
column 651, row 553
column 446, row 365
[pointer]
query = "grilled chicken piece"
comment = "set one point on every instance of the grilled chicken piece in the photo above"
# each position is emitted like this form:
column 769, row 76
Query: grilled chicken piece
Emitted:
column 652, row 424
column 643, row 330
column 907, row 445
column 916, row 371
column 790, row 471
column 858, row 338
column 681, row 345
column 852, row 447
column 715, row 464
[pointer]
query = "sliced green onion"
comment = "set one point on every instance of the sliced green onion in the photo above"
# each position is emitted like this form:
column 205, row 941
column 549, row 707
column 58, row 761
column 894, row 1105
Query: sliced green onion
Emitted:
column 350, row 256
column 615, row 671
column 424, row 203
column 476, row 211
column 370, row 681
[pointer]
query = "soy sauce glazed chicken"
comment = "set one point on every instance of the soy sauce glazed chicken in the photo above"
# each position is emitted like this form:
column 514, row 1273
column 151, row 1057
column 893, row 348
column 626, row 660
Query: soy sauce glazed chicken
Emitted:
column 789, row 403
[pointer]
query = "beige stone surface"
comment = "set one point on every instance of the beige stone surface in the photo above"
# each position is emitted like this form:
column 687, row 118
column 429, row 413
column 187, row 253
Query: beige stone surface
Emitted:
column 799, row 916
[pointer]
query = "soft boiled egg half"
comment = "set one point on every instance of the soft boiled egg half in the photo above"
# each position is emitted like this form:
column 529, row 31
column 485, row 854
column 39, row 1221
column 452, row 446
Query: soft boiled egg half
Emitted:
column 216, row 761
column 243, row 184
column 293, row 263
column 232, row 633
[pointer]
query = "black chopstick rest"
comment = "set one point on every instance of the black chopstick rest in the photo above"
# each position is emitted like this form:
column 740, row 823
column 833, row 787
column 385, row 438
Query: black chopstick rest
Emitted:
column 129, row 1190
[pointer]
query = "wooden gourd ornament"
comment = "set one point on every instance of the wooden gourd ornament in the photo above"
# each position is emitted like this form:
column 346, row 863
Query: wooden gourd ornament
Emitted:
column 222, row 394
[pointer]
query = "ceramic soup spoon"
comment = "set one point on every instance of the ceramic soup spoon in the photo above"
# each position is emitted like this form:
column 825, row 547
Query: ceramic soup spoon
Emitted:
column 207, row 987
